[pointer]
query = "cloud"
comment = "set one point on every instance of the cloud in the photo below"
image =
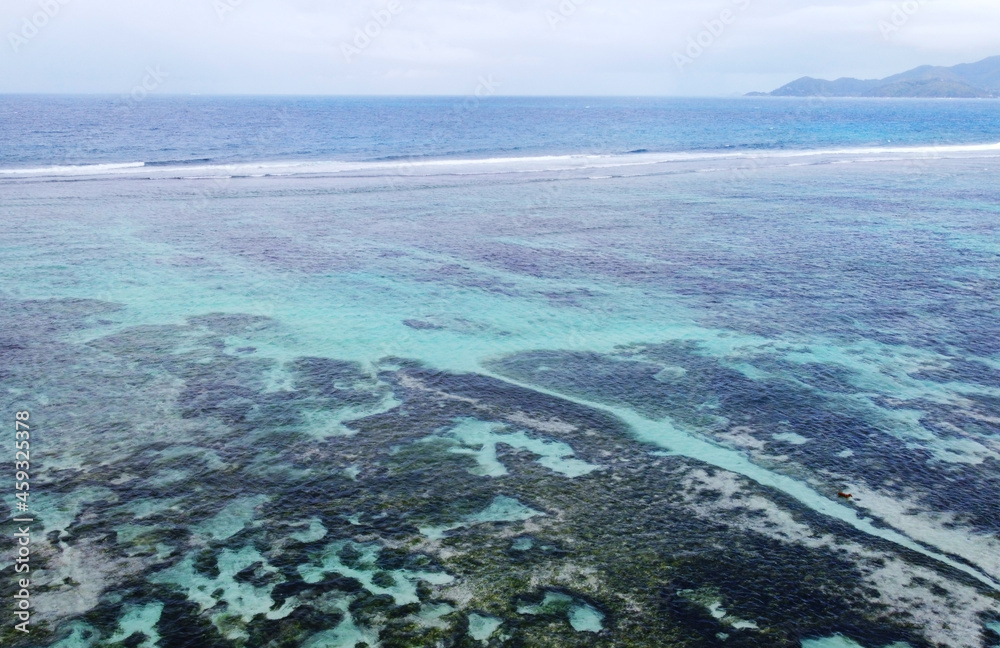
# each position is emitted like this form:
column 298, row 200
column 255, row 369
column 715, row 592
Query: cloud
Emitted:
column 443, row 46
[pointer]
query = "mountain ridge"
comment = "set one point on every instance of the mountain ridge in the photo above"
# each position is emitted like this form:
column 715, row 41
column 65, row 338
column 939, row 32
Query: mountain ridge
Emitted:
column 979, row 80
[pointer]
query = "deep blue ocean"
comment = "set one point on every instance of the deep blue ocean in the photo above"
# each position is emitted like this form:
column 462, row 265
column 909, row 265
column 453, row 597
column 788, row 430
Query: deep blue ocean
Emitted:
column 520, row 372
column 43, row 130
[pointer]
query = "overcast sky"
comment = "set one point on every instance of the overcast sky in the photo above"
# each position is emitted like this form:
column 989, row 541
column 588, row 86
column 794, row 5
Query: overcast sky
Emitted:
column 593, row 47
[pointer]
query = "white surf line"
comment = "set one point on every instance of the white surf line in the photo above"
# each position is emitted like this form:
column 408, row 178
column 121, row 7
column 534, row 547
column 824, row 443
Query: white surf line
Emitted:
column 677, row 442
column 569, row 162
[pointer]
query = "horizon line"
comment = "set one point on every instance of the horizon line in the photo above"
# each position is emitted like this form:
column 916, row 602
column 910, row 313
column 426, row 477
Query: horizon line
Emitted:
column 748, row 95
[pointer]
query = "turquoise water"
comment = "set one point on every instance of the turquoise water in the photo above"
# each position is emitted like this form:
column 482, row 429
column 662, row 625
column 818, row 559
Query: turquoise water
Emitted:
column 582, row 399
column 838, row 641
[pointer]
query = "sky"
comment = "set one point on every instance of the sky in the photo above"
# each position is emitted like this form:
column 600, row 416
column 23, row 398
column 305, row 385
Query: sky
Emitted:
column 490, row 47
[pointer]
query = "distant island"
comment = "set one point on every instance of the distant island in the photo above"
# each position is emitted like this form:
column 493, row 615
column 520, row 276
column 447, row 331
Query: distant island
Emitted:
column 970, row 80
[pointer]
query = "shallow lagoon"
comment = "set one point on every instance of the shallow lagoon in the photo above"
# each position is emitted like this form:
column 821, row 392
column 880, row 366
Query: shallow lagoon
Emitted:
column 336, row 411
